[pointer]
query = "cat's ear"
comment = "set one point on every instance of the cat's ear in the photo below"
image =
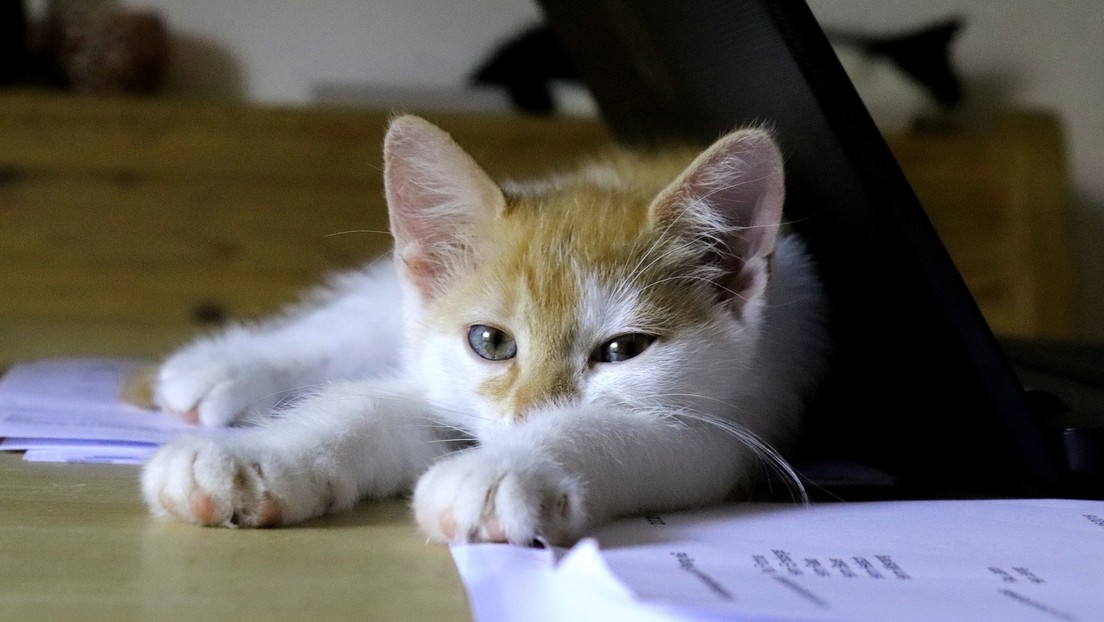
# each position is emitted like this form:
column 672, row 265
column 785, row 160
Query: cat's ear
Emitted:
column 730, row 201
column 437, row 196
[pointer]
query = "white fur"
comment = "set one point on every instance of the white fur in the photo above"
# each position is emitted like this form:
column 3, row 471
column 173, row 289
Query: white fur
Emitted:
column 680, row 425
column 342, row 332
column 624, row 449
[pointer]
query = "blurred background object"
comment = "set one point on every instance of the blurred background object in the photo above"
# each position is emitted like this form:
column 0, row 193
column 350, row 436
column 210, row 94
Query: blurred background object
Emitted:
column 1009, row 168
column 98, row 46
column 93, row 46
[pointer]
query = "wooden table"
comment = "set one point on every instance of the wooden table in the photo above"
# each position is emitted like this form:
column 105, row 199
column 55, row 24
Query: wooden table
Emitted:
column 76, row 543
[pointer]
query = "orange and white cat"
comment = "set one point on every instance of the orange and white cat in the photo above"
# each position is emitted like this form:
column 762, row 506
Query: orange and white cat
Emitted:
column 535, row 359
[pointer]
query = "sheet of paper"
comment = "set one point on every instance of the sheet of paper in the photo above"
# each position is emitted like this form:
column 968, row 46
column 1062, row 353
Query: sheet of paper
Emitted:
column 91, row 381
column 507, row 583
column 1009, row 560
column 29, row 419
column 79, row 399
column 79, row 450
column 107, row 454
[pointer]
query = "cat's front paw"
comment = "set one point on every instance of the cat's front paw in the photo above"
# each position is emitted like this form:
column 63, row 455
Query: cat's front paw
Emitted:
column 214, row 383
column 199, row 481
column 475, row 496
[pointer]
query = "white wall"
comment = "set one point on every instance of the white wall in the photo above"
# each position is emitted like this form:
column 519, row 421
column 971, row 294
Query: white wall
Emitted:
column 1040, row 53
column 284, row 48
column 1047, row 54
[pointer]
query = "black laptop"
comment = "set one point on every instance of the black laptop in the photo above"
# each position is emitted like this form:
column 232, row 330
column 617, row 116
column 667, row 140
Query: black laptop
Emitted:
column 919, row 389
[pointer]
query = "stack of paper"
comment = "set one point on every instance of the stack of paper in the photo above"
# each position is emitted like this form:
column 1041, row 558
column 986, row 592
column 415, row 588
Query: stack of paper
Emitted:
column 1009, row 560
column 73, row 410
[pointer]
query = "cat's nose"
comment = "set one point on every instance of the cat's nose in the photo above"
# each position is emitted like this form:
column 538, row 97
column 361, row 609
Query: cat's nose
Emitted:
column 540, row 382
column 563, row 392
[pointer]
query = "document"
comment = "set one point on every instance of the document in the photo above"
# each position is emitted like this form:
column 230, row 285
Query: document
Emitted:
column 73, row 410
column 79, row 450
column 1009, row 560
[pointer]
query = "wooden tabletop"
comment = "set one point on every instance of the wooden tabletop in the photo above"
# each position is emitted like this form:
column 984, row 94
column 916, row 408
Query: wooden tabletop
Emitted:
column 76, row 543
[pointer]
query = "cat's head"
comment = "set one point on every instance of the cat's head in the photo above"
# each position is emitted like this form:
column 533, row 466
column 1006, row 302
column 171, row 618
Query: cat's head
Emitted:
column 628, row 283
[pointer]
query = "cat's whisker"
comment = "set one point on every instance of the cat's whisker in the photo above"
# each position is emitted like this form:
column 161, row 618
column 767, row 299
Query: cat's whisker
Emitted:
column 285, row 397
column 681, row 414
column 691, row 277
column 785, row 303
column 445, row 408
column 770, row 455
column 446, row 441
column 442, row 424
column 674, row 249
column 697, row 396
column 663, row 236
column 374, row 231
column 441, row 408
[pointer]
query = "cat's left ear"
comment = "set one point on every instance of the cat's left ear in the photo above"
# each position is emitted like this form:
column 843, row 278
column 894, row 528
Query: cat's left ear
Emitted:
column 730, row 201
column 437, row 197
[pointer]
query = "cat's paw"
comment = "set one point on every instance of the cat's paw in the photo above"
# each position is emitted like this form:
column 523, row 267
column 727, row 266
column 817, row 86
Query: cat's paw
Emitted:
column 211, row 384
column 200, row 481
column 478, row 497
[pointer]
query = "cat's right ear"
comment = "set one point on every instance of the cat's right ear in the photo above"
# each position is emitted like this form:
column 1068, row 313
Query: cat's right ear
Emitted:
column 437, row 197
column 729, row 201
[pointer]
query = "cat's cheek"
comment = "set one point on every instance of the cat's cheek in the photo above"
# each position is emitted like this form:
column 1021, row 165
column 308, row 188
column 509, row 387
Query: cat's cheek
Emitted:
column 478, row 497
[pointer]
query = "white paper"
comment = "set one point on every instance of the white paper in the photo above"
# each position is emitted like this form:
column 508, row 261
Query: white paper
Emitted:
column 90, row 381
column 79, row 450
column 1009, row 560
column 79, row 399
column 105, row 454
column 506, row 583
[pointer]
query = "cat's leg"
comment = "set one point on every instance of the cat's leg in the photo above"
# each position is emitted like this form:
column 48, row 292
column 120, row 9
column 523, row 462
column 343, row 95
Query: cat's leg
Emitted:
column 561, row 473
column 352, row 440
column 350, row 331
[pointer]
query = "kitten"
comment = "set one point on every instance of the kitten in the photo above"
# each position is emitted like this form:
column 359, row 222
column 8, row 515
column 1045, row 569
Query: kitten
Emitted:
column 536, row 359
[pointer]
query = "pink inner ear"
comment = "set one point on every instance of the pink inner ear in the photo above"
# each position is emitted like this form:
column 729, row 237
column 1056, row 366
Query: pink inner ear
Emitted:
column 415, row 162
column 733, row 193
column 436, row 195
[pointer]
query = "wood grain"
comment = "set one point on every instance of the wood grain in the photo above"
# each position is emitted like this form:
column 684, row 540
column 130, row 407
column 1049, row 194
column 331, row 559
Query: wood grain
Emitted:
column 160, row 213
column 119, row 212
column 998, row 197
column 76, row 543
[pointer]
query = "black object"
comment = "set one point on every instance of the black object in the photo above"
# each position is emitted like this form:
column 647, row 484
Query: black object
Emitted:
column 923, row 54
column 918, row 387
column 525, row 66
column 13, row 42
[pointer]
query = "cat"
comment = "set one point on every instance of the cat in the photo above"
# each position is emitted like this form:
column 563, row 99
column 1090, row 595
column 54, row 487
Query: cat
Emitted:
column 535, row 359
column 905, row 79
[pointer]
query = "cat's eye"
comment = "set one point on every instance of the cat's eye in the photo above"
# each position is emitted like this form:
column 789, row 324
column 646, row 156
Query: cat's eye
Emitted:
column 491, row 343
column 623, row 347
